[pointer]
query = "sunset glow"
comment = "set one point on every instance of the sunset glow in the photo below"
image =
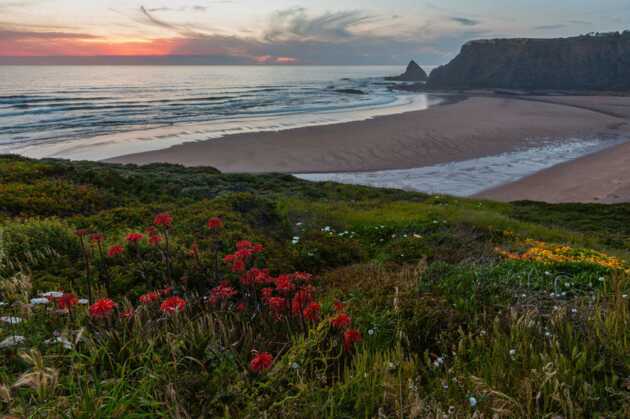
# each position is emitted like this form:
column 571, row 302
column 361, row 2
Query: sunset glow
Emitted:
column 284, row 32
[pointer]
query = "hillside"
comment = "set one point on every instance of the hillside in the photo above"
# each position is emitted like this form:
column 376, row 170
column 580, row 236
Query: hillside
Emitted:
column 590, row 62
column 216, row 295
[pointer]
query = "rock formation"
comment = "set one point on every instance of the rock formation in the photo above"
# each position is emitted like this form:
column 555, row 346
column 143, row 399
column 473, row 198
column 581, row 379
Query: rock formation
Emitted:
column 588, row 62
column 414, row 73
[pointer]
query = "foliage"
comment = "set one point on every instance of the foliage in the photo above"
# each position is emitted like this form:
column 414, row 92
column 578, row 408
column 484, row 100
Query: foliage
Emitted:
column 463, row 308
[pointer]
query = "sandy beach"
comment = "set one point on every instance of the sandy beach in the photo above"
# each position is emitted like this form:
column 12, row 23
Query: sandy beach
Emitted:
column 469, row 128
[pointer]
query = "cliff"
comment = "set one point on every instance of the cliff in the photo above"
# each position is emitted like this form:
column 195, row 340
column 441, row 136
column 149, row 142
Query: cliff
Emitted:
column 413, row 73
column 589, row 62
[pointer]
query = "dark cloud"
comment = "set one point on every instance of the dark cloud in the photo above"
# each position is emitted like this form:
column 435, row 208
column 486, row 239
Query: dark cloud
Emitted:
column 465, row 21
column 150, row 19
column 18, row 35
column 550, row 27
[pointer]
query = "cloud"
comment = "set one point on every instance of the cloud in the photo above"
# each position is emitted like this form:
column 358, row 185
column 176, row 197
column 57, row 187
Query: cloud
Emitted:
column 155, row 21
column 465, row 21
column 296, row 24
column 549, row 27
column 21, row 35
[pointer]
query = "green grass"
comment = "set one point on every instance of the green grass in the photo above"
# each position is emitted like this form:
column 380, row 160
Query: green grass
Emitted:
column 451, row 328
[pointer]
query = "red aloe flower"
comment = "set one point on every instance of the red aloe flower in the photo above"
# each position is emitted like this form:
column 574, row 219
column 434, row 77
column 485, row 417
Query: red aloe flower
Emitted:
column 277, row 305
column 163, row 220
column 66, row 301
column 341, row 321
column 262, row 361
column 127, row 314
column 215, row 223
column 312, row 311
column 97, row 238
column 173, row 305
column 302, row 276
column 102, row 308
column 241, row 307
column 301, row 299
column 339, row 306
column 350, row 337
column 222, row 293
column 149, row 297
column 266, row 294
column 166, row 291
column 155, row 240
column 134, row 237
column 115, row 251
column 284, row 284
column 82, row 232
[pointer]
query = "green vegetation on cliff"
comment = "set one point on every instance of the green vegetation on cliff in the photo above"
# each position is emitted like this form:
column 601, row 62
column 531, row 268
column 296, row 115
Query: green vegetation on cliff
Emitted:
column 454, row 307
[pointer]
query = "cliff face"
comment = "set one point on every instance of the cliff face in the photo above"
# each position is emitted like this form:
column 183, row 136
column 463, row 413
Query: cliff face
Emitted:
column 593, row 62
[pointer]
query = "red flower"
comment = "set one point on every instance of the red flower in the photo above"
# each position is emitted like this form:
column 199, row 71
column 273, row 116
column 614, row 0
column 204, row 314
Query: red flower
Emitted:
column 115, row 251
column 266, row 294
column 127, row 314
column 97, row 238
column 149, row 297
column 302, row 276
column 339, row 306
column 312, row 311
column 241, row 307
column 222, row 292
column 163, row 220
column 301, row 299
column 277, row 304
column 194, row 250
column 215, row 223
column 173, row 305
column 256, row 276
column 154, row 240
column 134, row 237
column 82, row 232
column 261, row 362
column 350, row 337
column 166, row 291
column 341, row 321
column 284, row 284
column 66, row 301
column 102, row 308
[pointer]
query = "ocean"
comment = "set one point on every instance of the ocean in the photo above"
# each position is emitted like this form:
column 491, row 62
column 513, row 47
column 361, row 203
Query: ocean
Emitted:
column 93, row 113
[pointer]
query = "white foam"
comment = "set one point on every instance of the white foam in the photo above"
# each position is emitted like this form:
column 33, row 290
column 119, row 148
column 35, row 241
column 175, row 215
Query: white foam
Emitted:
column 468, row 177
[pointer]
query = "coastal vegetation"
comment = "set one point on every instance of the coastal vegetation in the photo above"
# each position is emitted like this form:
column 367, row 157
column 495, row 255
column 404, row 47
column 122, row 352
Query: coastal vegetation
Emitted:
column 165, row 291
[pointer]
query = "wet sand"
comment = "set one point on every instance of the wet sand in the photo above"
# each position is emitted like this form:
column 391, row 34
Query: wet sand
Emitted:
column 602, row 177
column 471, row 128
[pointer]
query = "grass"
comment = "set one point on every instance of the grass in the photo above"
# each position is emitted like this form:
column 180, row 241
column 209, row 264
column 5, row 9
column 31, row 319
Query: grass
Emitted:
column 465, row 308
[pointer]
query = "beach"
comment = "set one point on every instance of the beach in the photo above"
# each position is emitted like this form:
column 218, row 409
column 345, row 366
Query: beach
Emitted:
column 463, row 128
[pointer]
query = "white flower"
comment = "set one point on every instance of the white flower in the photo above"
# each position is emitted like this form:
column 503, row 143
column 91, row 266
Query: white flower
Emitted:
column 38, row 301
column 371, row 332
column 60, row 339
column 299, row 224
column 547, row 273
column 553, row 294
column 52, row 294
column 10, row 320
column 624, row 296
column 574, row 310
column 417, row 236
column 295, row 240
column 483, row 333
column 472, row 401
column 12, row 341
column 523, row 295
column 512, row 353
column 2, row 304
column 295, row 366
column 83, row 301
column 602, row 279
column 547, row 334
column 326, row 229
column 438, row 362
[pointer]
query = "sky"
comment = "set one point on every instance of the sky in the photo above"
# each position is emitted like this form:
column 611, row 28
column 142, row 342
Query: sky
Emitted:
column 289, row 32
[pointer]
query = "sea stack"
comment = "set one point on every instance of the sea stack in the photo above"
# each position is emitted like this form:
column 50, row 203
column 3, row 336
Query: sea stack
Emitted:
column 414, row 73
